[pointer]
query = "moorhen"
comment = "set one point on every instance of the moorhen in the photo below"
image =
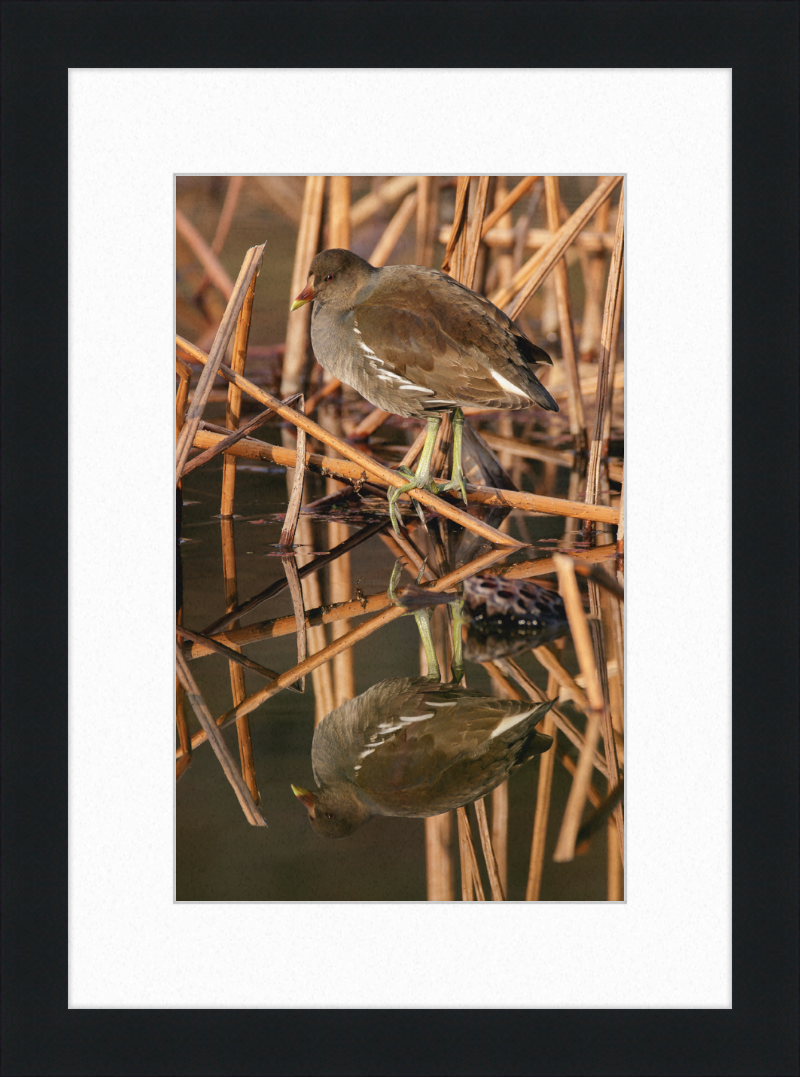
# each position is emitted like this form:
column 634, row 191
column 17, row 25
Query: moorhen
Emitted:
column 416, row 747
column 415, row 342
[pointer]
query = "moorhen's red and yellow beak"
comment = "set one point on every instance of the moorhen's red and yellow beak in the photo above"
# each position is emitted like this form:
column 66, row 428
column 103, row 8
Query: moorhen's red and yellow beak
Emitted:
column 305, row 797
column 305, row 296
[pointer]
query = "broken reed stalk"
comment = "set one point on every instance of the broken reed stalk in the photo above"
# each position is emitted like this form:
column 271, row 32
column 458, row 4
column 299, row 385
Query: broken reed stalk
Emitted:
column 394, row 188
column 581, row 637
column 296, row 591
column 235, row 185
column 328, row 389
column 226, row 442
column 297, row 326
column 307, row 570
column 395, row 228
column 488, row 851
column 528, row 278
column 215, row 646
column 593, row 265
column 298, row 481
column 577, row 418
column 252, row 811
column 370, row 423
column 609, row 741
column 251, row 262
column 544, row 788
column 439, row 863
column 184, row 740
column 506, row 203
column 235, row 668
column 566, row 726
column 471, row 885
column 204, row 254
column 359, row 633
column 500, row 831
column 233, row 410
column 473, row 242
column 612, row 363
column 369, row 466
column 609, row 312
column 184, row 372
column 284, row 626
column 340, row 671
column 459, row 220
column 356, row 475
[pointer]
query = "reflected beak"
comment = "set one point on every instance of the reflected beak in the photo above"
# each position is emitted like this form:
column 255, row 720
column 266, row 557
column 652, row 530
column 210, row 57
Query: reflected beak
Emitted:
column 305, row 296
column 303, row 795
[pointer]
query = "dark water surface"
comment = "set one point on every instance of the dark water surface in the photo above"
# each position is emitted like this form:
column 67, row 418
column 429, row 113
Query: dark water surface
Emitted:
column 219, row 856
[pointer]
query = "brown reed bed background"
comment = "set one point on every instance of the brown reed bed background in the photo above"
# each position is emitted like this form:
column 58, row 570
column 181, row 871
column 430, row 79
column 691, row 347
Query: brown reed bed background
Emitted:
column 549, row 251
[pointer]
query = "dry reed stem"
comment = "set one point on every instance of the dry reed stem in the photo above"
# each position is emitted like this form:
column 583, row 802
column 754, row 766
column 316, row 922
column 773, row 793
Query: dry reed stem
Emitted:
column 506, row 203
column 473, row 241
column 235, row 669
column 534, row 239
column 298, row 482
column 560, row 719
column 296, row 591
column 216, row 646
column 213, row 363
column 612, row 363
column 204, row 254
column 182, row 764
column 370, row 423
column 609, row 741
column 224, row 223
column 615, row 882
column 252, row 811
column 439, row 863
column 226, row 442
column 359, row 633
column 528, row 278
column 547, row 658
column 234, row 408
column 459, row 220
column 500, row 831
column 395, row 228
column 577, row 418
column 593, row 271
column 184, row 740
column 328, row 389
column 307, row 570
column 479, row 495
column 298, row 323
column 612, row 294
column 581, row 637
column 488, row 851
column 369, row 466
column 184, row 372
column 471, row 885
column 595, row 799
column 281, row 194
column 518, row 447
column 423, row 252
column 391, row 191
column 544, row 788
column 339, row 211
column 600, row 816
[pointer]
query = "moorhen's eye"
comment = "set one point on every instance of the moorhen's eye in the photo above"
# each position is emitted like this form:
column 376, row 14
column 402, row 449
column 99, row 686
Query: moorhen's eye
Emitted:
column 329, row 815
column 329, row 276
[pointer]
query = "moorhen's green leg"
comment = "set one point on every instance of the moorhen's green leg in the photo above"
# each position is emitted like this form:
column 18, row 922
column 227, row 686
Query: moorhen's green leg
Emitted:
column 423, row 619
column 457, row 665
column 419, row 480
column 456, row 475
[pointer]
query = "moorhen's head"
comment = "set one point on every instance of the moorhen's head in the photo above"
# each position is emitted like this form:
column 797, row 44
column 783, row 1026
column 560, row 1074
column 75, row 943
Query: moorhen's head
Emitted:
column 334, row 812
column 337, row 277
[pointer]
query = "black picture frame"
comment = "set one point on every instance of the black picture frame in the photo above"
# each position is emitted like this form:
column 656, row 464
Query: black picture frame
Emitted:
column 759, row 41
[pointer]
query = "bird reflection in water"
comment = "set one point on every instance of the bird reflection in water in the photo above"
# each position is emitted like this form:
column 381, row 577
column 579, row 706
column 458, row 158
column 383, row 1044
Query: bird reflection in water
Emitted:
column 416, row 747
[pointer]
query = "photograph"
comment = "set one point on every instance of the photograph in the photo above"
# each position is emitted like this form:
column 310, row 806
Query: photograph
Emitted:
column 399, row 584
